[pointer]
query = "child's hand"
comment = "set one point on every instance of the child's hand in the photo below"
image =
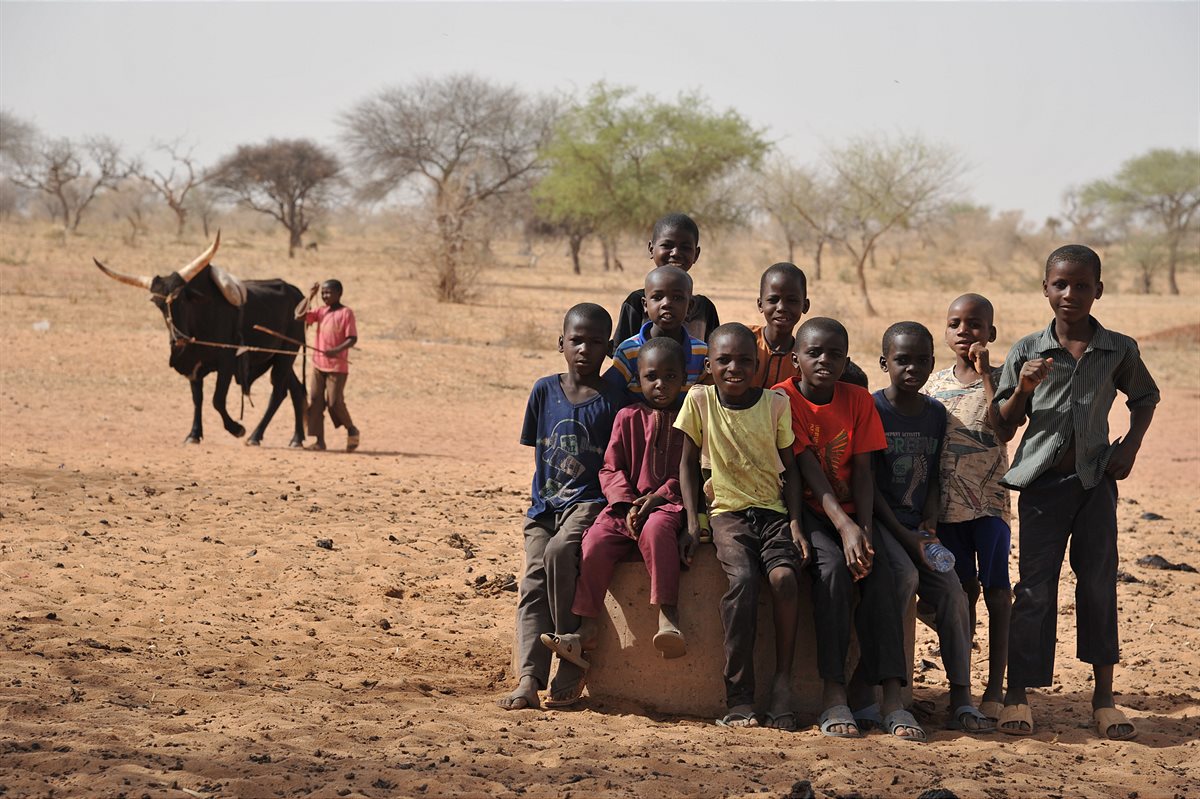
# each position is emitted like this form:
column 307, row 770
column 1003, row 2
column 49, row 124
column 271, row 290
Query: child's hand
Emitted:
column 801, row 542
column 1034, row 372
column 978, row 355
column 1120, row 462
column 688, row 541
column 858, row 550
column 312, row 292
column 925, row 536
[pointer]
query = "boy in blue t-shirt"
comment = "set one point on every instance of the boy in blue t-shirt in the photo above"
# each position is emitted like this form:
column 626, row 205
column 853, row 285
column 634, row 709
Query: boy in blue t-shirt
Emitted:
column 908, row 501
column 568, row 422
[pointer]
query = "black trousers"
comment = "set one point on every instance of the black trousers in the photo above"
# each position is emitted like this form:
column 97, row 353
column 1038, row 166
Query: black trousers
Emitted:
column 1055, row 509
column 878, row 620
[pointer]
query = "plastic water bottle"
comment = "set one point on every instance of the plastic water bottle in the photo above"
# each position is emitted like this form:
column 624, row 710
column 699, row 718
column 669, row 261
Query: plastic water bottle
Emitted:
column 940, row 558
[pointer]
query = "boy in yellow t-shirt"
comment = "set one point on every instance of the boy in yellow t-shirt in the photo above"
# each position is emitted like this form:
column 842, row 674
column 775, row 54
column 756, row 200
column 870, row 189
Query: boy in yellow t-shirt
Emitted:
column 743, row 434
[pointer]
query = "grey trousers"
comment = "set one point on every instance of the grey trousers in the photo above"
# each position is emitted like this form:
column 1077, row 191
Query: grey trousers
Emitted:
column 552, row 546
column 944, row 593
column 878, row 620
column 1053, row 509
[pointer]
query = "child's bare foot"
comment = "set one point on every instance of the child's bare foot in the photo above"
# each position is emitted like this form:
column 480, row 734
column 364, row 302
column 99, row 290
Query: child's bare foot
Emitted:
column 781, row 716
column 669, row 640
column 740, row 716
column 524, row 697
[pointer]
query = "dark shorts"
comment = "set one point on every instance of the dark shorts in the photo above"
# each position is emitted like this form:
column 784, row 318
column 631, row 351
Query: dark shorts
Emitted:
column 758, row 529
column 988, row 538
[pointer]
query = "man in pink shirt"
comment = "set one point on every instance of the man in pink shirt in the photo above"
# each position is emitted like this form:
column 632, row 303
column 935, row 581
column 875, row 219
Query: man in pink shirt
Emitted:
column 336, row 334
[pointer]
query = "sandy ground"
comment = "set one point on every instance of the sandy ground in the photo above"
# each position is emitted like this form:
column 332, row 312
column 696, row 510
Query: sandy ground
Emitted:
column 170, row 628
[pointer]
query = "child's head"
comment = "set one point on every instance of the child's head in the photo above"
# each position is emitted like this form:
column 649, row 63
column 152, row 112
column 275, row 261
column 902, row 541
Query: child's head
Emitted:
column 668, row 297
column 968, row 321
column 732, row 359
column 662, row 371
column 854, row 375
column 821, row 352
column 907, row 355
column 585, row 338
column 331, row 292
column 783, row 297
column 1072, row 282
column 675, row 241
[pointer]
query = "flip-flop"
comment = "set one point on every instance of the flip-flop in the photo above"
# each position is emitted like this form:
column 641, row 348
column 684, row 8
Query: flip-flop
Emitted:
column 670, row 643
column 567, row 647
column 773, row 718
column 991, row 710
column 1014, row 714
column 868, row 718
column 1109, row 717
column 838, row 714
column 902, row 718
column 956, row 721
column 728, row 719
column 575, row 693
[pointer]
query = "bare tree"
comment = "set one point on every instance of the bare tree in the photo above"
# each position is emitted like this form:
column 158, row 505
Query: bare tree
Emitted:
column 884, row 184
column 800, row 201
column 176, row 183
column 461, row 141
column 69, row 173
column 288, row 179
column 205, row 201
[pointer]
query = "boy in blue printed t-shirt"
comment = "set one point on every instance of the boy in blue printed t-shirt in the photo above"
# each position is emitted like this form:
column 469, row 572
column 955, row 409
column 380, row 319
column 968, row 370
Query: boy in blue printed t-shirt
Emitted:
column 568, row 422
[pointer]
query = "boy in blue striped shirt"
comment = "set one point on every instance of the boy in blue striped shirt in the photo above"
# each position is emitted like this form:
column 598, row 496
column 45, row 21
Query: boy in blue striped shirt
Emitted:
column 1064, row 380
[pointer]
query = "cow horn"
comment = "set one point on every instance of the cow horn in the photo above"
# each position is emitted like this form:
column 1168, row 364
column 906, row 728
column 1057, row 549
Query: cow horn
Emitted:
column 140, row 282
column 196, row 266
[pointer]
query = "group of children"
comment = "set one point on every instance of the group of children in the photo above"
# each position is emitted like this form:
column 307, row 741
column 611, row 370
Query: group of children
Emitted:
column 766, row 441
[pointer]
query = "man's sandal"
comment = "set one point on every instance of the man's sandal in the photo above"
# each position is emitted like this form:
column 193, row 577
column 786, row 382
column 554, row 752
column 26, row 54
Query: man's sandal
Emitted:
column 1014, row 716
column 1109, row 717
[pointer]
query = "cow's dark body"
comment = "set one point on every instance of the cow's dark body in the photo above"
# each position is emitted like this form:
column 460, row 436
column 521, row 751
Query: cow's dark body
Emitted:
column 198, row 310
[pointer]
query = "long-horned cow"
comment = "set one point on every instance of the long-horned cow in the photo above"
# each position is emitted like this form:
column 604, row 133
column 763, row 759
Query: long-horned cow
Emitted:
column 211, row 317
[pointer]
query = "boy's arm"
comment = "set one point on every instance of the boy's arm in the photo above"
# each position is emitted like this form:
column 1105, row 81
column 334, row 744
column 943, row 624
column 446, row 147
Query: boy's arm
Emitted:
column 856, row 538
column 614, row 474
column 1017, row 384
column 689, row 485
column 302, row 308
column 793, row 497
column 911, row 540
column 1120, row 462
column 345, row 345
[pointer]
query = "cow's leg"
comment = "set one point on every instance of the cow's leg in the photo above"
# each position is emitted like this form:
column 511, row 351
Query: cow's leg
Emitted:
column 197, row 433
column 296, row 389
column 224, row 377
column 279, row 389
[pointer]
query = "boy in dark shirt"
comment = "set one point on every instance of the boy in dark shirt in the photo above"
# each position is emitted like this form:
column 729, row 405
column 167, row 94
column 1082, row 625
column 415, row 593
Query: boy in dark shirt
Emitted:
column 1063, row 380
column 907, row 505
column 568, row 422
column 675, row 241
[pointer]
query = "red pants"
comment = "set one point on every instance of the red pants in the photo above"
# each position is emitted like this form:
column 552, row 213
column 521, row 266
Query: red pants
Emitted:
column 605, row 544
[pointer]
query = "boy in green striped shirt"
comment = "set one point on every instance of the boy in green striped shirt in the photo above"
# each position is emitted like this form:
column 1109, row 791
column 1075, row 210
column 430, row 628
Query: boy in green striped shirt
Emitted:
column 1064, row 380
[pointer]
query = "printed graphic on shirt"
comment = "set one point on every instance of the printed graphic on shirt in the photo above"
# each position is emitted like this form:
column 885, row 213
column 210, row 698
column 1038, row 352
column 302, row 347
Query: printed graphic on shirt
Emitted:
column 833, row 454
column 910, row 453
column 560, row 452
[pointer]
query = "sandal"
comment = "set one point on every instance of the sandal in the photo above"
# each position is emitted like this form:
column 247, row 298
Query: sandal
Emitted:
column 838, row 714
column 729, row 718
column 958, row 720
column 567, row 647
column 568, row 696
column 902, row 719
column 1109, row 717
column 1016, row 715
column 868, row 718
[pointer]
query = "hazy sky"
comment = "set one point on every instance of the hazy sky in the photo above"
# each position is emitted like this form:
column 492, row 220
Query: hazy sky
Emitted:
column 1036, row 96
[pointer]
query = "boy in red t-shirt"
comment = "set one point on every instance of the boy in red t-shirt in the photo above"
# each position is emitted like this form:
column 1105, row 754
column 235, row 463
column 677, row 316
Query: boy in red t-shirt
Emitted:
column 336, row 333
column 844, row 428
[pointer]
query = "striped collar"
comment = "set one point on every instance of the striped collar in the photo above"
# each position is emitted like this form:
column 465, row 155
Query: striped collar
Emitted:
column 1102, row 339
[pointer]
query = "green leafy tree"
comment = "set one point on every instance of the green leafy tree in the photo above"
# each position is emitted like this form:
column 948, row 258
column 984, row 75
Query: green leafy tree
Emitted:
column 618, row 160
column 1161, row 189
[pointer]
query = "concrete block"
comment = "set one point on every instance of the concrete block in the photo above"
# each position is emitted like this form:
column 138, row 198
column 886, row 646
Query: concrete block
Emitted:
column 626, row 666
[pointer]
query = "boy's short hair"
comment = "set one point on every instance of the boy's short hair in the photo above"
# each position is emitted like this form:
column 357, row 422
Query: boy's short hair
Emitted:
column 822, row 324
column 979, row 300
column 783, row 268
column 854, row 375
column 588, row 312
column 905, row 329
column 736, row 329
column 1075, row 254
column 334, row 284
column 669, row 346
column 674, row 272
column 675, row 221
